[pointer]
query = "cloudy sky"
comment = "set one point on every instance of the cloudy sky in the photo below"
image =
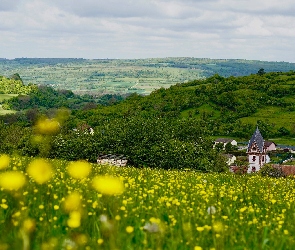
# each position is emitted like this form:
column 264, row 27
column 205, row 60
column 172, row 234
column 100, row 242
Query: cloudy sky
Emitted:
column 244, row 29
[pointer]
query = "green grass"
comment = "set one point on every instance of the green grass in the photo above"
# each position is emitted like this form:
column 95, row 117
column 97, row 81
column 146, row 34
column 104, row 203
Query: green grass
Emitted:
column 275, row 116
column 6, row 96
column 4, row 112
column 205, row 109
column 284, row 141
column 158, row 210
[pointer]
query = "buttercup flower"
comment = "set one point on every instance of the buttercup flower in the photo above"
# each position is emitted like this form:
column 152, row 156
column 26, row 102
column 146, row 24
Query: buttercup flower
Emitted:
column 4, row 161
column 40, row 170
column 108, row 185
column 72, row 202
column 75, row 219
column 129, row 229
column 79, row 169
column 12, row 180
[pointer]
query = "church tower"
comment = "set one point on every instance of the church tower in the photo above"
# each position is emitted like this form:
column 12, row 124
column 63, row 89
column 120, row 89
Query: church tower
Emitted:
column 256, row 152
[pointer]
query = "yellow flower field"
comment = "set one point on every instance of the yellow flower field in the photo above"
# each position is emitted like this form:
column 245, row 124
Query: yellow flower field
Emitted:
column 54, row 204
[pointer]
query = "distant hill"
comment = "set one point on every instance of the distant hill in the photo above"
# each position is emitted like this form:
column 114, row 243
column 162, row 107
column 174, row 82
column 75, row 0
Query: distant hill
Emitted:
column 118, row 76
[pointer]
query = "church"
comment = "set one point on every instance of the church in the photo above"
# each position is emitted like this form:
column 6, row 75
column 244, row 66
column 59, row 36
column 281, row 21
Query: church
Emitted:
column 257, row 152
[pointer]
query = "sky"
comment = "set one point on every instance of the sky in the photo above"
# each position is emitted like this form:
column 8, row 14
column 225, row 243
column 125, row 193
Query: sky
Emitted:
column 217, row 29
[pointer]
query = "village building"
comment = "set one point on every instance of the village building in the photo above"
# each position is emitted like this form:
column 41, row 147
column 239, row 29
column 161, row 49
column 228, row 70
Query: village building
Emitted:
column 257, row 152
column 225, row 141
column 113, row 160
column 230, row 159
column 270, row 146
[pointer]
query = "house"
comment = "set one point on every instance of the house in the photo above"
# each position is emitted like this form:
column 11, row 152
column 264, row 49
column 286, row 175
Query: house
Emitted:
column 230, row 159
column 225, row 141
column 270, row 146
column 257, row 152
column 113, row 160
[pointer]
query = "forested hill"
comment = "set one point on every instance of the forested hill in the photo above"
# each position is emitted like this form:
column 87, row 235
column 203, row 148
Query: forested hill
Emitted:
column 230, row 106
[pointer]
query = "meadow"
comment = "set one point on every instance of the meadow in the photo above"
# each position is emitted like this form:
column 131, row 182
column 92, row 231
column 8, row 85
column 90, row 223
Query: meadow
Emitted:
column 55, row 204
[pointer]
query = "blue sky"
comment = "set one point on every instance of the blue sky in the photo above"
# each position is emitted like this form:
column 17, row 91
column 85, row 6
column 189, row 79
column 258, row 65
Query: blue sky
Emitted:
column 243, row 29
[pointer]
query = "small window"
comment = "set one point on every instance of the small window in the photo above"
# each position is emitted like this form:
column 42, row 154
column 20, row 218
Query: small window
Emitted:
column 254, row 148
column 254, row 158
column 262, row 158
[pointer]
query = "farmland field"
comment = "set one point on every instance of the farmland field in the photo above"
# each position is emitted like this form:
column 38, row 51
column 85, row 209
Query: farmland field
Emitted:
column 125, row 76
column 61, row 205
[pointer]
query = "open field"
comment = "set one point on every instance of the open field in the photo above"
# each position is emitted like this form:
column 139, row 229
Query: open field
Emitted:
column 4, row 112
column 6, row 96
column 51, row 208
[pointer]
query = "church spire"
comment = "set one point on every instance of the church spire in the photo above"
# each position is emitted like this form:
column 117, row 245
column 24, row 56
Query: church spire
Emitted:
column 258, row 139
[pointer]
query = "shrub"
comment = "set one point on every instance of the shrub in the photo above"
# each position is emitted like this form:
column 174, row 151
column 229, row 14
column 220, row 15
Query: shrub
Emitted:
column 271, row 171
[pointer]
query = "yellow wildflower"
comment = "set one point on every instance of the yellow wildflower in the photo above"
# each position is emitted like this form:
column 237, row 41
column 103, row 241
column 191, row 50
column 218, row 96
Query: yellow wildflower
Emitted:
column 79, row 169
column 40, row 170
column 47, row 126
column 4, row 161
column 4, row 206
column 75, row 219
column 218, row 227
column 129, row 229
column 29, row 225
column 72, row 202
column 108, row 185
column 12, row 180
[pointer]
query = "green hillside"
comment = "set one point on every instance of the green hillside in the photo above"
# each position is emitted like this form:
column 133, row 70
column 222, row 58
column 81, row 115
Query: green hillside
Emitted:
column 170, row 128
column 11, row 88
column 231, row 106
column 14, row 86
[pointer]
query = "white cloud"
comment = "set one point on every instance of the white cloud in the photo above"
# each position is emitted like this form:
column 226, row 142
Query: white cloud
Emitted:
column 261, row 29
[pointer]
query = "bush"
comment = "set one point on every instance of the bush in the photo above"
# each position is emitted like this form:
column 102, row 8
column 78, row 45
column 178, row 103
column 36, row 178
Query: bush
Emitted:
column 271, row 171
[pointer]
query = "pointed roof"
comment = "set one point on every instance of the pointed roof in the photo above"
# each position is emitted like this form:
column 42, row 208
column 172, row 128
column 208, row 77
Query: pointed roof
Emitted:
column 256, row 137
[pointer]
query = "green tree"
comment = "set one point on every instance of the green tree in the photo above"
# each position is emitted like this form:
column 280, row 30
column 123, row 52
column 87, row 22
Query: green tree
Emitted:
column 261, row 72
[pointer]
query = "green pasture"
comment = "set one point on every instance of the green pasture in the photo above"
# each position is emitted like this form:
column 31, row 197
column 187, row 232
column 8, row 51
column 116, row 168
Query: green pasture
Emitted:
column 205, row 109
column 6, row 96
column 284, row 141
column 4, row 112
column 275, row 116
